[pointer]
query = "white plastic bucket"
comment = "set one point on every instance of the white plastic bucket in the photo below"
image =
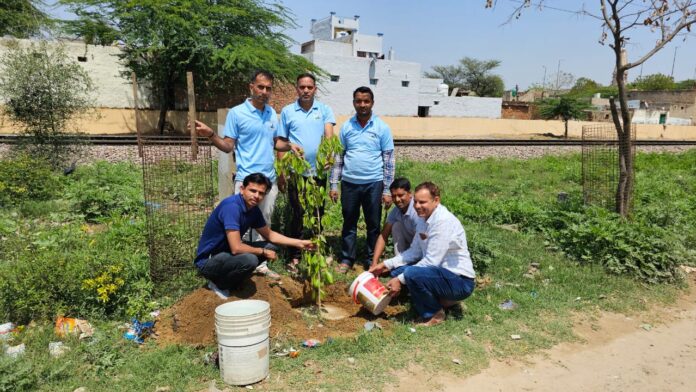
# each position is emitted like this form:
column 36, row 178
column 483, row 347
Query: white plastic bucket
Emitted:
column 370, row 292
column 243, row 345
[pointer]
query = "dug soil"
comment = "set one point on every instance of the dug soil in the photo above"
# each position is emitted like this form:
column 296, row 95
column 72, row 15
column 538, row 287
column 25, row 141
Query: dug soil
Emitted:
column 192, row 320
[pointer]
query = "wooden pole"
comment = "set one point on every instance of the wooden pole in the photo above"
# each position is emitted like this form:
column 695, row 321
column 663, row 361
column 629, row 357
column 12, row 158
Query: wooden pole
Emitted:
column 134, row 82
column 192, row 115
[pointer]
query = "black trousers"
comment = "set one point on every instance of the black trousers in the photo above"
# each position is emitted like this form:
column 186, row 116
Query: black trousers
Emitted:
column 228, row 271
column 296, row 227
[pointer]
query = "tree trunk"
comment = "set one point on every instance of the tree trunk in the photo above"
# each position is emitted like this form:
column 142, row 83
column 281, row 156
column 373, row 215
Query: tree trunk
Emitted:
column 622, row 122
column 565, row 135
column 166, row 102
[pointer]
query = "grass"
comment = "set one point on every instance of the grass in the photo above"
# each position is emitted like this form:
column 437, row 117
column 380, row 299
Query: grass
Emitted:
column 492, row 197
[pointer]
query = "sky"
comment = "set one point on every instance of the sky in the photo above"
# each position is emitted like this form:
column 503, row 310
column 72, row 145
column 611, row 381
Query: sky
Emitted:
column 541, row 41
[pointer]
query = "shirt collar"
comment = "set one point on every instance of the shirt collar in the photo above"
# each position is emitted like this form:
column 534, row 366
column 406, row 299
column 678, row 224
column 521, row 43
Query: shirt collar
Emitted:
column 241, row 200
column 433, row 216
column 253, row 109
column 354, row 119
column 298, row 107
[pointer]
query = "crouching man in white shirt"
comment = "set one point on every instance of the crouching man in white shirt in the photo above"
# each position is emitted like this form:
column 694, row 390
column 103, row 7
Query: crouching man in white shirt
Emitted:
column 437, row 267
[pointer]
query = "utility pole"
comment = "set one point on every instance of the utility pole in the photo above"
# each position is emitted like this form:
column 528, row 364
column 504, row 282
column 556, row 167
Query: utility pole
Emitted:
column 558, row 76
column 543, row 83
column 673, row 60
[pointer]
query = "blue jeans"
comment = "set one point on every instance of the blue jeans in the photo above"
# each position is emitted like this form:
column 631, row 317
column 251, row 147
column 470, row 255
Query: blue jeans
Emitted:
column 428, row 285
column 354, row 196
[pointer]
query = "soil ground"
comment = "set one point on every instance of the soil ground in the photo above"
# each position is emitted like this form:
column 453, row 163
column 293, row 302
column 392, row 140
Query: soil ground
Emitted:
column 192, row 319
column 650, row 351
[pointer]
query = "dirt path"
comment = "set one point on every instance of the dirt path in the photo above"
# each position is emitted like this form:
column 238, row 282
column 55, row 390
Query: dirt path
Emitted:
column 619, row 353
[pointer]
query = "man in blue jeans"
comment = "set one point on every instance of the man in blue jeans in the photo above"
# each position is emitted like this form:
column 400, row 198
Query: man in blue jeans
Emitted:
column 437, row 268
column 222, row 257
column 365, row 170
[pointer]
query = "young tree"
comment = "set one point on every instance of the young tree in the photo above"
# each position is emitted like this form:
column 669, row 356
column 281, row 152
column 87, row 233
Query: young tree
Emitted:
column 44, row 90
column 621, row 18
column 654, row 82
column 564, row 108
column 22, row 18
column 471, row 74
column 221, row 42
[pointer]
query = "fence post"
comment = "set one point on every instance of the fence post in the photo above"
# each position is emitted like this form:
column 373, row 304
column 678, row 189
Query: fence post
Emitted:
column 134, row 82
column 192, row 114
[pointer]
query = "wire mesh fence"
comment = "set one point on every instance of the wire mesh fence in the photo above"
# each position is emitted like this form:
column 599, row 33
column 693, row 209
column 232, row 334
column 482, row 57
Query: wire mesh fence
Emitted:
column 600, row 164
column 178, row 190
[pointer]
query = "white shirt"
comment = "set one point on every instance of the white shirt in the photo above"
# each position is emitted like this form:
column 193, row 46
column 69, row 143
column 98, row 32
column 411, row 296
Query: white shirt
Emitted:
column 439, row 242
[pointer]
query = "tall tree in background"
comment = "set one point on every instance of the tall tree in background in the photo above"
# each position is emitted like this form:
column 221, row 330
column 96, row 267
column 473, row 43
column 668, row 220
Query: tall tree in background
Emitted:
column 22, row 18
column 471, row 74
column 620, row 18
column 220, row 41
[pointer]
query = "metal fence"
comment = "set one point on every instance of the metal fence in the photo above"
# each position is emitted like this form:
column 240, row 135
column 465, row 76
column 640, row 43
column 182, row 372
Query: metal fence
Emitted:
column 179, row 196
column 600, row 164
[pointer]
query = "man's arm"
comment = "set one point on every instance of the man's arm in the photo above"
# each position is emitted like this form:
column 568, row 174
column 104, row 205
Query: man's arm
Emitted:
column 280, row 239
column 234, row 239
column 328, row 130
column 381, row 243
column 389, row 167
column 226, row 145
column 283, row 145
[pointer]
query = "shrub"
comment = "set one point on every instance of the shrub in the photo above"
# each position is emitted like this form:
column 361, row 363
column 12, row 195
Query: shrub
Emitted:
column 105, row 189
column 25, row 178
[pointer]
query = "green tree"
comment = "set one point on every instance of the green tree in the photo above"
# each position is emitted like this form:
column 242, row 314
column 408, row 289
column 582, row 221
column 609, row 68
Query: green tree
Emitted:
column 654, row 82
column 91, row 27
column 688, row 84
column 220, row 41
column 22, row 18
column 565, row 108
column 44, row 91
column 471, row 74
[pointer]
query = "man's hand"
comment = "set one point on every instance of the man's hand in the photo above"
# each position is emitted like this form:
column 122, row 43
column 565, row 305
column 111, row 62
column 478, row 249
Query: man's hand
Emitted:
column 394, row 287
column 202, row 129
column 333, row 195
column 378, row 269
column 270, row 254
column 297, row 149
column 386, row 200
column 306, row 244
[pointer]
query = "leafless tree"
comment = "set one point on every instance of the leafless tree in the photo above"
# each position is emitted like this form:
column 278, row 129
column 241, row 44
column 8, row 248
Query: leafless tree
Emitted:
column 667, row 19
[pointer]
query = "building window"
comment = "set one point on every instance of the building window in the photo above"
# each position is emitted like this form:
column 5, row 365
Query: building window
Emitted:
column 362, row 54
column 423, row 111
column 436, row 102
column 82, row 59
column 373, row 81
column 334, row 78
column 405, row 83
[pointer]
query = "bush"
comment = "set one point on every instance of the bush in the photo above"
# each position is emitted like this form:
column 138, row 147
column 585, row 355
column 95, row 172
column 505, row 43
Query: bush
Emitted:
column 105, row 189
column 75, row 271
column 635, row 248
column 24, row 178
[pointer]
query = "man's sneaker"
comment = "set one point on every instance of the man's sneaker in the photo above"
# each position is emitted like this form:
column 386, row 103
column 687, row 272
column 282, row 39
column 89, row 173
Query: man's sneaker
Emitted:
column 263, row 269
column 223, row 294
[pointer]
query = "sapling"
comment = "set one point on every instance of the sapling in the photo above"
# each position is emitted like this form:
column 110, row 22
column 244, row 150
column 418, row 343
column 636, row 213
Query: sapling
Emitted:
column 312, row 197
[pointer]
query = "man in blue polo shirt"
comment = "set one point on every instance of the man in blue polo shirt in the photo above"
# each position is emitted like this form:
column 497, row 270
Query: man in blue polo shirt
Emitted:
column 222, row 257
column 304, row 122
column 251, row 131
column 365, row 171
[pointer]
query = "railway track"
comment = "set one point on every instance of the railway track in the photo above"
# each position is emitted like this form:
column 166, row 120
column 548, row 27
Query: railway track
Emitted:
column 180, row 140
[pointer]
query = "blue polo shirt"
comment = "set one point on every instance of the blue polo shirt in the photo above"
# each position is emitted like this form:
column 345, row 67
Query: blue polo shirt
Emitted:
column 231, row 214
column 254, row 131
column 306, row 128
column 362, row 162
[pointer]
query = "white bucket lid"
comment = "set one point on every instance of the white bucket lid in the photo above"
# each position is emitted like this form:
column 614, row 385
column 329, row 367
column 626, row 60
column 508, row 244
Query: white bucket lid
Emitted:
column 242, row 308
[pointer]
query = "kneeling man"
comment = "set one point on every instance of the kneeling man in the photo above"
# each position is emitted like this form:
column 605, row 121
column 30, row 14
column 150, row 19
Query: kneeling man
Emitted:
column 222, row 257
column 437, row 268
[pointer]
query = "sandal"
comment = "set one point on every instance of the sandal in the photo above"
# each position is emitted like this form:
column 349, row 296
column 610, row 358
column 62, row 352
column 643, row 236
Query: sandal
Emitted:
column 343, row 268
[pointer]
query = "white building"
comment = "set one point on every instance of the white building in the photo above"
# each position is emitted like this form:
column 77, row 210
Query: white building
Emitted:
column 353, row 59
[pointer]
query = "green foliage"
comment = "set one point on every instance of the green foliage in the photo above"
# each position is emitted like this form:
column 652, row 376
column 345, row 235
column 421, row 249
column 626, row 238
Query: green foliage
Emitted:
column 565, row 108
column 654, row 82
column 104, row 189
column 91, row 27
column 22, row 18
column 312, row 197
column 471, row 74
column 23, row 178
column 45, row 91
column 586, row 88
column 221, row 42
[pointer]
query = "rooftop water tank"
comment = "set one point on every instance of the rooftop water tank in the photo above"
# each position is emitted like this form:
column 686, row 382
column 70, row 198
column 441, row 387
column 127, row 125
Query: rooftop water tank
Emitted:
column 443, row 89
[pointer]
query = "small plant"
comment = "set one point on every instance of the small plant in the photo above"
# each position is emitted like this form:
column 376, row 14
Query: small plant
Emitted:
column 312, row 197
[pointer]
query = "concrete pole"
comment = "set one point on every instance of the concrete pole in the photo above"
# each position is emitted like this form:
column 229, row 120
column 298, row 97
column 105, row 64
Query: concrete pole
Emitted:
column 673, row 60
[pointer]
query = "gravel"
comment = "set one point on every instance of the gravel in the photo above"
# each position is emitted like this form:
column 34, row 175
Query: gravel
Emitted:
column 413, row 153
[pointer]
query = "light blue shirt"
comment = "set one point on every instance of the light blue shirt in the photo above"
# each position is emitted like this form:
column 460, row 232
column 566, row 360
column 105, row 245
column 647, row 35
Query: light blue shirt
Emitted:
column 363, row 147
column 306, row 128
column 254, row 131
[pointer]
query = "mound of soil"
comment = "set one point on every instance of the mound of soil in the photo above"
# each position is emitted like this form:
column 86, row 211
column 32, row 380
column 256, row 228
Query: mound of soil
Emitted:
column 192, row 320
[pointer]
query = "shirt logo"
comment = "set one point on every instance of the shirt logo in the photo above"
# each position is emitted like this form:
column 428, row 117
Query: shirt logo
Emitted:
column 270, row 125
column 423, row 236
